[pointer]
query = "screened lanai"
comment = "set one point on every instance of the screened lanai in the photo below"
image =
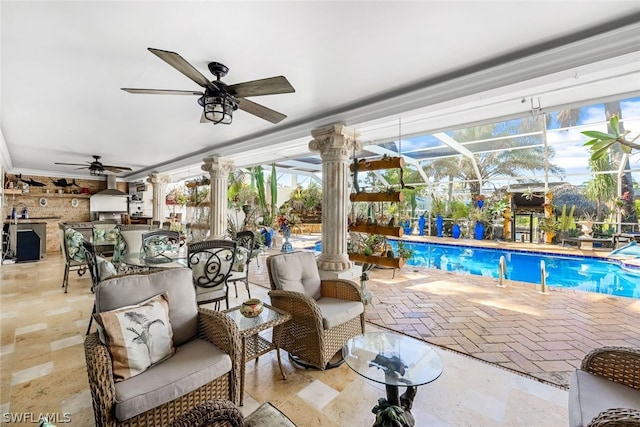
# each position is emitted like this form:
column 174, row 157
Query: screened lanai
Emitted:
column 540, row 152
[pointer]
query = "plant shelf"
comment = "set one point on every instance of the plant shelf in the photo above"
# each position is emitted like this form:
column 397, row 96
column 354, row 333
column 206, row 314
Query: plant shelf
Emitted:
column 394, row 196
column 377, row 229
column 374, row 165
column 378, row 260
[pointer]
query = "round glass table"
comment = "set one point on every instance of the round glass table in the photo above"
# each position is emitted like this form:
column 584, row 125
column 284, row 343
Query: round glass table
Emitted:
column 159, row 260
column 396, row 361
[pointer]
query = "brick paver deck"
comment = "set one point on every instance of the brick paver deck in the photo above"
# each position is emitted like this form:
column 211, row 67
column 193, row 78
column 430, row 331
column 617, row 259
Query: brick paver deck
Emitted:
column 544, row 336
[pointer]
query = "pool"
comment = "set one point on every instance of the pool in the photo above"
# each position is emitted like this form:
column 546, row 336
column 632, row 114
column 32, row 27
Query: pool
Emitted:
column 567, row 271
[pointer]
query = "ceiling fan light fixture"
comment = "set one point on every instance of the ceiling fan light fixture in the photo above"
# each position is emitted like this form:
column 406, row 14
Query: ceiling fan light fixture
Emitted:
column 218, row 106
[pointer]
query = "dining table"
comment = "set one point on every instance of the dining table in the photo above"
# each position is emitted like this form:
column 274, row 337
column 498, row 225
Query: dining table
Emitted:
column 166, row 259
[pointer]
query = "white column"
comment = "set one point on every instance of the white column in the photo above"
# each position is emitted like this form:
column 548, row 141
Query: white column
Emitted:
column 159, row 184
column 219, row 170
column 335, row 144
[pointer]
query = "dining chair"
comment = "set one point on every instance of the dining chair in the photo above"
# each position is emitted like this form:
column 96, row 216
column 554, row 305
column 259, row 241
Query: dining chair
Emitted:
column 132, row 236
column 210, row 262
column 125, row 219
column 244, row 253
column 159, row 240
column 99, row 269
column 70, row 243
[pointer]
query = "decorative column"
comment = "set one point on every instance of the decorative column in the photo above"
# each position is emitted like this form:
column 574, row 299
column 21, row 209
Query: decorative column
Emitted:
column 159, row 184
column 219, row 170
column 335, row 144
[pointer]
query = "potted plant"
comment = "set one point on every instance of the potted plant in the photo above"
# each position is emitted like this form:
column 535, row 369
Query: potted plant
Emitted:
column 480, row 217
column 437, row 210
column 459, row 211
column 549, row 226
column 404, row 251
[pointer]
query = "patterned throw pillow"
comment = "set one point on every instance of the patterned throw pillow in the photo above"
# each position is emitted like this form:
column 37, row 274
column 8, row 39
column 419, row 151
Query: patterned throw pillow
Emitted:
column 98, row 234
column 105, row 268
column 74, row 244
column 137, row 336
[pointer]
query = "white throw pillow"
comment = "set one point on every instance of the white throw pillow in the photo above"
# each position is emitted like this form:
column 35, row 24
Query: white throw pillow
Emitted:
column 137, row 336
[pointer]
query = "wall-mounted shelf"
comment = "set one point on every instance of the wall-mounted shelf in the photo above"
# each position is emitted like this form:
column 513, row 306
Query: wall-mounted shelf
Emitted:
column 53, row 195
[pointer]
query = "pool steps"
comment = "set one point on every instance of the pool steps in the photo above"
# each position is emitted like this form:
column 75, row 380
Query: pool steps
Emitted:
column 543, row 279
column 502, row 272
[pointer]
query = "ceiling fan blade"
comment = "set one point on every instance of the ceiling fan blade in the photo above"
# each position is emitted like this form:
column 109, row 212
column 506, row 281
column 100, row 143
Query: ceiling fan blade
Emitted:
column 112, row 168
column 260, row 111
column 72, row 164
column 180, row 64
column 115, row 169
column 268, row 86
column 161, row 91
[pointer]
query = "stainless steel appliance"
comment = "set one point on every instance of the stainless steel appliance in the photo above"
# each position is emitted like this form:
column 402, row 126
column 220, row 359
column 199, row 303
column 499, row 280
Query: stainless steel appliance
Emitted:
column 110, row 203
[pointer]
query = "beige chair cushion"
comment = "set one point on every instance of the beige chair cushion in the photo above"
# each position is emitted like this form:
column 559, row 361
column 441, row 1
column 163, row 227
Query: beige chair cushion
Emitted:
column 297, row 272
column 133, row 240
column 137, row 336
column 591, row 394
column 193, row 365
column 122, row 291
column 209, row 294
column 336, row 311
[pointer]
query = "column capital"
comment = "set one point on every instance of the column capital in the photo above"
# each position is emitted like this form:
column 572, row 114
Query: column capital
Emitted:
column 217, row 166
column 156, row 178
column 335, row 139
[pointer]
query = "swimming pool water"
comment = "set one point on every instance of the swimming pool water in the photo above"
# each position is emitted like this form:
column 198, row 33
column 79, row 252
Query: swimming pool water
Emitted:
column 575, row 272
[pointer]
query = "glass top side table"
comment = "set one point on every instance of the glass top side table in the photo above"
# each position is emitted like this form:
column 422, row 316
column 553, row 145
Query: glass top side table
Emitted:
column 396, row 361
column 254, row 345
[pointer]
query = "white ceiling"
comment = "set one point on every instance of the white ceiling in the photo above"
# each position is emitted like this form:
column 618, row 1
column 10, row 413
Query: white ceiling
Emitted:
column 431, row 64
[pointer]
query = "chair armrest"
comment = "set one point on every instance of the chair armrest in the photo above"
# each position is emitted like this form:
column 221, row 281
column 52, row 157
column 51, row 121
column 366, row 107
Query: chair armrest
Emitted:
column 214, row 413
column 297, row 304
column 220, row 330
column 100, row 373
column 618, row 364
column 341, row 289
column 618, row 417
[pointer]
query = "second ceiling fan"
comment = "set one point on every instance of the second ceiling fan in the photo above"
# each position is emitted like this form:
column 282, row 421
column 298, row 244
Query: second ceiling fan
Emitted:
column 220, row 100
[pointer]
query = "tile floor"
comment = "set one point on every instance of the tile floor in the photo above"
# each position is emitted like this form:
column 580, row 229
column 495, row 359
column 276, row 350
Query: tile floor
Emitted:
column 42, row 369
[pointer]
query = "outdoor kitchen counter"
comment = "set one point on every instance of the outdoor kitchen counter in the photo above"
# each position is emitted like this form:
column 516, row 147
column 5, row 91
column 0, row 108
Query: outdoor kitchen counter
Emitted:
column 50, row 224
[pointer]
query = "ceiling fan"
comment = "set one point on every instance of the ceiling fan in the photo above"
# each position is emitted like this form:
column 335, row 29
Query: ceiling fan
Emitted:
column 96, row 167
column 220, row 100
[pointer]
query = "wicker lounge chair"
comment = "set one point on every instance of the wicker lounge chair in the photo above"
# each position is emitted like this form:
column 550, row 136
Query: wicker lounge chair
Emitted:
column 205, row 367
column 326, row 313
column 605, row 391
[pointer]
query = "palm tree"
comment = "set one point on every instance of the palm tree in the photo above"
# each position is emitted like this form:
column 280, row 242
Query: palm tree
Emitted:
column 601, row 186
column 493, row 158
column 568, row 118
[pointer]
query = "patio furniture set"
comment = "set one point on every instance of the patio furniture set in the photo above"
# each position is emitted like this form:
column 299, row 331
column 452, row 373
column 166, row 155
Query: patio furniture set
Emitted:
column 165, row 359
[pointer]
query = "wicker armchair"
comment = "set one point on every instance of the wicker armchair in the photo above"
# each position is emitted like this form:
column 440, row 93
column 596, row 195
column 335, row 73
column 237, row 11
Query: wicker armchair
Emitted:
column 326, row 313
column 198, row 372
column 605, row 391
column 215, row 413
